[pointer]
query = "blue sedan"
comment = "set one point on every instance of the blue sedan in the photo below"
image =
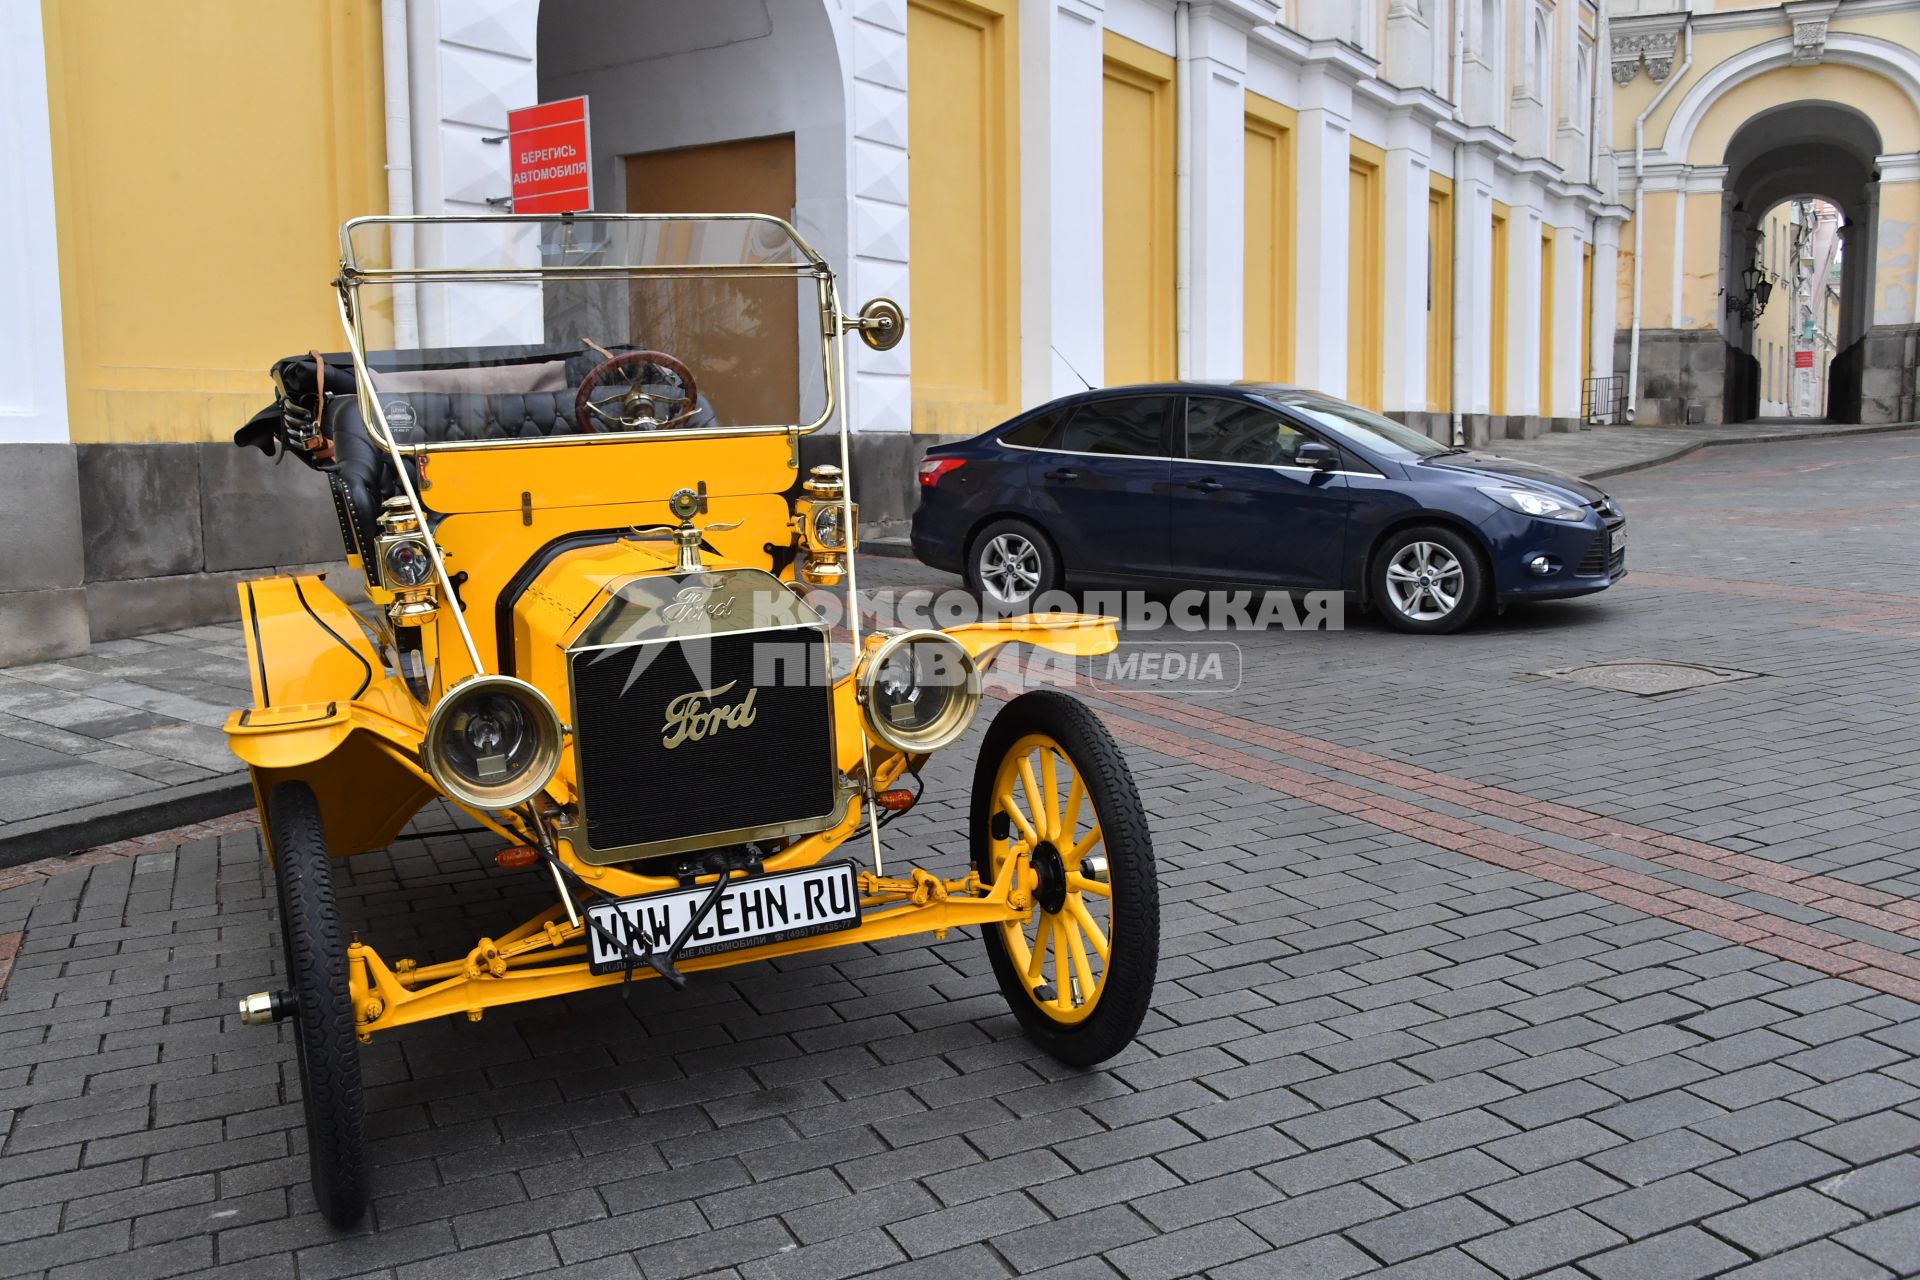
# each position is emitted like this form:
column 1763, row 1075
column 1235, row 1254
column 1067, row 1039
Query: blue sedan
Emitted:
column 1257, row 485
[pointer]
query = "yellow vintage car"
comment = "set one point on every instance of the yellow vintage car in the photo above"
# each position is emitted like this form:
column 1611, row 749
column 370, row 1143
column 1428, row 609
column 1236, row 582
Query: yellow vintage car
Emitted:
column 565, row 453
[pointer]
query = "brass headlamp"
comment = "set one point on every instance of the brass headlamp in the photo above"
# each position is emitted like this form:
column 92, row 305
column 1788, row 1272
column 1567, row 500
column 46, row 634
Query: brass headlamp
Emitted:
column 827, row 525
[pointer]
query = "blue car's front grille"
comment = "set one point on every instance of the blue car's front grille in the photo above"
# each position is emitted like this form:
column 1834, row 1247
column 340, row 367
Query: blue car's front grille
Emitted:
column 1601, row 559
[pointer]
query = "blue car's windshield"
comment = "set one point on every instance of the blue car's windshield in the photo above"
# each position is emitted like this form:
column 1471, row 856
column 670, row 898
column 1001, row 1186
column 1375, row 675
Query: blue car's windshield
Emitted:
column 1370, row 431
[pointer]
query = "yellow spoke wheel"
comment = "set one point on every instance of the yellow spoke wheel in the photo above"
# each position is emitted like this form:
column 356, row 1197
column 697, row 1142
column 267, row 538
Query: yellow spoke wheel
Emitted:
column 1053, row 797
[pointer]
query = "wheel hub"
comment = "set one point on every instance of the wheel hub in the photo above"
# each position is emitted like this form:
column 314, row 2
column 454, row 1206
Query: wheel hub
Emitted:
column 1051, row 868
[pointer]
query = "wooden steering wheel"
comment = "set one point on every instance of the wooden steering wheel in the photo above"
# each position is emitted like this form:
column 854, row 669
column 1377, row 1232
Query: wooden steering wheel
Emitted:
column 634, row 409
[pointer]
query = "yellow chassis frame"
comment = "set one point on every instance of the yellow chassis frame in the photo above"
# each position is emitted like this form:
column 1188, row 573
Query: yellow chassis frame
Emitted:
column 546, row 956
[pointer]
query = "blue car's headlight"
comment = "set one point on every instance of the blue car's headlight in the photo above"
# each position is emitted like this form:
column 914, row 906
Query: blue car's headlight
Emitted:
column 1532, row 502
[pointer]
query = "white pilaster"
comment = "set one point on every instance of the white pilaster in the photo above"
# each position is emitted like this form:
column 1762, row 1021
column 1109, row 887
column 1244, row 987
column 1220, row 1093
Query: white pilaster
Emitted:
column 1320, row 292
column 1569, row 245
column 1473, row 281
column 1217, row 347
column 881, row 391
column 33, row 384
column 1523, row 311
column 1407, row 276
column 1061, row 275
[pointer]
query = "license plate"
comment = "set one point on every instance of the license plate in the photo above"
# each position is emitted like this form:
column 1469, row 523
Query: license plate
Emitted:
column 750, row 913
column 1620, row 538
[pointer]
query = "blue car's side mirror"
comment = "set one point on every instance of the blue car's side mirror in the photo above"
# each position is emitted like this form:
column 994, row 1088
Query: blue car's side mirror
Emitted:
column 1315, row 454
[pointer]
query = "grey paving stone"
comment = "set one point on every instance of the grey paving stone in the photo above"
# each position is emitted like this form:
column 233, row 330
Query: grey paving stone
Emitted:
column 1543, row 1243
column 1182, row 1253
column 1425, row 1229
column 1318, row 1213
column 1770, row 1169
column 1671, row 1202
column 1651, row 1159
column 1327, row 1258
column 1440, row 1177
column 1064, row 1239
column 1823, row 1259
column 1549, row 1190
column 1780, row 1222
column 1685, row 1254
column 1878, row 1189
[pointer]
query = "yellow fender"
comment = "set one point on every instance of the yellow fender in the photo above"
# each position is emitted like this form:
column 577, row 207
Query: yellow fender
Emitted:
column 1080, row 635
column 325, row 712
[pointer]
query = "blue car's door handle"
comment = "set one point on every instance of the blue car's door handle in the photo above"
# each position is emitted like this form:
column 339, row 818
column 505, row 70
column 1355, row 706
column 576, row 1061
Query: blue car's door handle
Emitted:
column 1061, row 475
column 1206, row 486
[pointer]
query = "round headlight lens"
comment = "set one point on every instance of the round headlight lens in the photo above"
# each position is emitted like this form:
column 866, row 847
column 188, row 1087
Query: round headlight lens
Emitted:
column 921, row 690
column 493, row 742
column 830, row 527
column 407, row 563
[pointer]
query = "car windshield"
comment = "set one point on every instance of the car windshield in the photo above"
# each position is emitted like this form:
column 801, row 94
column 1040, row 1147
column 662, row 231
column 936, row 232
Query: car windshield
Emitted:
column 481, row 331
column 1383, row 436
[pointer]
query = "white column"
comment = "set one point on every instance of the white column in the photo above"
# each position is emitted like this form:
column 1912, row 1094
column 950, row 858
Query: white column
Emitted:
column 33, row 383
column 1217, row 347
column 1523, row 310
column 1320, row 264
column 1569, row 244
column 1473, row 281
column 1408, row 167
column 1061, row 279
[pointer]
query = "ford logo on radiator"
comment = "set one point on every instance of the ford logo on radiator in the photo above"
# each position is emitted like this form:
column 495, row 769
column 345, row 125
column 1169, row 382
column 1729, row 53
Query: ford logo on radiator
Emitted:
column 698, row 714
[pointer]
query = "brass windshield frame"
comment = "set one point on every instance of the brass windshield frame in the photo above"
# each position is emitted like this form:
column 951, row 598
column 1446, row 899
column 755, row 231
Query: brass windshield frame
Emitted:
column 353, row 275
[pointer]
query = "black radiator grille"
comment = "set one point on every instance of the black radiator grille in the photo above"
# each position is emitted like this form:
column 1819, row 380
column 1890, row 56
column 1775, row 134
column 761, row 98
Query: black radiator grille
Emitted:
column 1601, row 558
column 717, row 778
column 1594, row 562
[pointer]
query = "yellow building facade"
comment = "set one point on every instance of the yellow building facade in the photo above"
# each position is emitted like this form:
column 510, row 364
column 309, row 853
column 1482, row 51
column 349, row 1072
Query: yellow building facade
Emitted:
column 1487, row 218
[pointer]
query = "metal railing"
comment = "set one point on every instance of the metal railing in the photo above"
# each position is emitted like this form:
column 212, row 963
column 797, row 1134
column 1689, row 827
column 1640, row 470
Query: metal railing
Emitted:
column 1603, row 401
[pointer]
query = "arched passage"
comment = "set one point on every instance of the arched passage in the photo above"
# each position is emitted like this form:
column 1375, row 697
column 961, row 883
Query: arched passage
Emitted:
column 1820, row 149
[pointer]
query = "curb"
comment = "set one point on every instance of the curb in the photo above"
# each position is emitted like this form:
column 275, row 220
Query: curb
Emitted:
column 1693, row 447
column 59, row 834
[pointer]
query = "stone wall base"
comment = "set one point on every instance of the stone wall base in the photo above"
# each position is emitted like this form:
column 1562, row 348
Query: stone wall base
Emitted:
column 1889, row 374
column 112, row 540
column 1682, row 375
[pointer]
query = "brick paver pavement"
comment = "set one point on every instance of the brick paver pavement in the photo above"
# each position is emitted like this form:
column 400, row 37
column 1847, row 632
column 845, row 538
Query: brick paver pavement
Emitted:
column 1468, row 971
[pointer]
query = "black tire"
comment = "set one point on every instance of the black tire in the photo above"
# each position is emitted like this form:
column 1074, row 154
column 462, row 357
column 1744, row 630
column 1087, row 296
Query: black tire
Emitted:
column 323, row 1027
column 1417, row 607
column 1126, row 989
column 1023, row 544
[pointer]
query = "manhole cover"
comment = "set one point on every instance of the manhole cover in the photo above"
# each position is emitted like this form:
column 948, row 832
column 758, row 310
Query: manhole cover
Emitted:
column 1648, row 679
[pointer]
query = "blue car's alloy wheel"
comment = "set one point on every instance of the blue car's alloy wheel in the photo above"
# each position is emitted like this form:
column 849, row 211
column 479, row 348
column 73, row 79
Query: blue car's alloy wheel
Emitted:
column 1010, row 563
column 1428, row 579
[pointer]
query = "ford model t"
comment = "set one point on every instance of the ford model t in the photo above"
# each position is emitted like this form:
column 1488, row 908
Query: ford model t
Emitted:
column 565, row 454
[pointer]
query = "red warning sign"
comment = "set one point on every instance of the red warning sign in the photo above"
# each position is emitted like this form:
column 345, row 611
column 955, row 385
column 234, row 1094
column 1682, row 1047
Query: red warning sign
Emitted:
column 552, row 157
column 1803, row 359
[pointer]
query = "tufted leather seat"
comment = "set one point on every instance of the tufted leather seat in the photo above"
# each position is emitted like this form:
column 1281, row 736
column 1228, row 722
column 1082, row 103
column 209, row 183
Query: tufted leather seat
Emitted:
column 365, row 477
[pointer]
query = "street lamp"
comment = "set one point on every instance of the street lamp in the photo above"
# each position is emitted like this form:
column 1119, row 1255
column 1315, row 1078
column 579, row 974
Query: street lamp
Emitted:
column 1758, row 290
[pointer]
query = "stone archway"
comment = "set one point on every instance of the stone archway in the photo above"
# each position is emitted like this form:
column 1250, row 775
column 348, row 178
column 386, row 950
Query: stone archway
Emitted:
column 1837, row 116
column 1808, row 148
